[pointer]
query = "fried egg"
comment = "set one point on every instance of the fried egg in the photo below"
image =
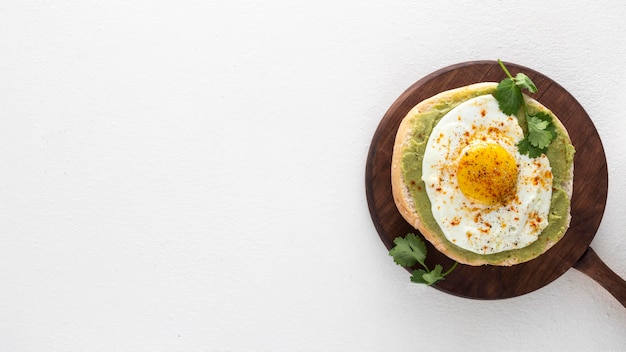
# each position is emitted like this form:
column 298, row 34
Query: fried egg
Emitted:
column 485, row 196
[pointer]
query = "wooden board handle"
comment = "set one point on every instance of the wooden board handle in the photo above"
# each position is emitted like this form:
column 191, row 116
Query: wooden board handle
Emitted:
column 591, row 265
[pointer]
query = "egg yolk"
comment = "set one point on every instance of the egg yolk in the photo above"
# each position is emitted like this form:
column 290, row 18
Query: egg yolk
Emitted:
column 487, row 174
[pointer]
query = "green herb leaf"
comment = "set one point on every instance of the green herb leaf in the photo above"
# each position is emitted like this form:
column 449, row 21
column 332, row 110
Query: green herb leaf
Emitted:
column 524, row 82
column 509, row 96
column 510, row 99
column 538, row 134
column 433, row 276
column 418, row 277
column 409, row 251
column 545, row 117
column 525, row 147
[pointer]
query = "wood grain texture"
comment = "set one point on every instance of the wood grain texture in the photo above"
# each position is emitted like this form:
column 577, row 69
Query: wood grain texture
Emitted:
column 588, row 200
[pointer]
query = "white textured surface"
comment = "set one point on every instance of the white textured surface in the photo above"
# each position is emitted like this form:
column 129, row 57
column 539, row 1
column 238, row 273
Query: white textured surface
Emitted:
column 189, row 175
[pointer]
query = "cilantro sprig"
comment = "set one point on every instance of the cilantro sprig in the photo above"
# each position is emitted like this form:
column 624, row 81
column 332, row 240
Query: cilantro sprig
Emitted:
column 410, row 250
column 510, row 99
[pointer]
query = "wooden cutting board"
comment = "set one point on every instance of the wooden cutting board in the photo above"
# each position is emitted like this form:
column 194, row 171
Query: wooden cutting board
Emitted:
column 588, row 200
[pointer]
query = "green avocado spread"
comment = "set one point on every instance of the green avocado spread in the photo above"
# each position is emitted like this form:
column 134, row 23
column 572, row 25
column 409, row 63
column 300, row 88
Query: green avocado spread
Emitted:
column 560, row 153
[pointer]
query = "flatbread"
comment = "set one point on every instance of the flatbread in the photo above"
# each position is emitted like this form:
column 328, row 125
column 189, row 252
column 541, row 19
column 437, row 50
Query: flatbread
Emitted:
column 407, row 206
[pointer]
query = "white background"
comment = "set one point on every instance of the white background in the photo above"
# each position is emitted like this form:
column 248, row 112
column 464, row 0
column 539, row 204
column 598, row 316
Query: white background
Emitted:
column 189, row 175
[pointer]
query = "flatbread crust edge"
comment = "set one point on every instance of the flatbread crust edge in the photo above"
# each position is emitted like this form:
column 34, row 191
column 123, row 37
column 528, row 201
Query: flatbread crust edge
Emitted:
column 405, row 203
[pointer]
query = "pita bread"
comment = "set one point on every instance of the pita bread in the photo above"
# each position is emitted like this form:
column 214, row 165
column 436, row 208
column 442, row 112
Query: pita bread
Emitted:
column 420, row 215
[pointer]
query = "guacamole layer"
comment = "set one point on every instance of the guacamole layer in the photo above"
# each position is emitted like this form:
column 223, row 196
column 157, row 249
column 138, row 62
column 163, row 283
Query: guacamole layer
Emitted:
column 560, row 153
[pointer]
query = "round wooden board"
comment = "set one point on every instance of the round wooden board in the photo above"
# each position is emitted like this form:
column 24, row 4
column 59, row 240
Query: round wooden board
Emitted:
column 588, row 200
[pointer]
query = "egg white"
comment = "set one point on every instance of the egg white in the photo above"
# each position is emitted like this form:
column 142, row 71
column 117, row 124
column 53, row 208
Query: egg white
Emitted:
column 468, row 224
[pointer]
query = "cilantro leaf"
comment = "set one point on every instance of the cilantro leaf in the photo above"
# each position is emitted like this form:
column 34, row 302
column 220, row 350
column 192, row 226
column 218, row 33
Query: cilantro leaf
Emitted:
column 409, row 250
column 545, row 117
column 433, row 276
column 525, row 147
column 418, row 276
column 509, row 96
column 538, row 133
column 524, row 82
